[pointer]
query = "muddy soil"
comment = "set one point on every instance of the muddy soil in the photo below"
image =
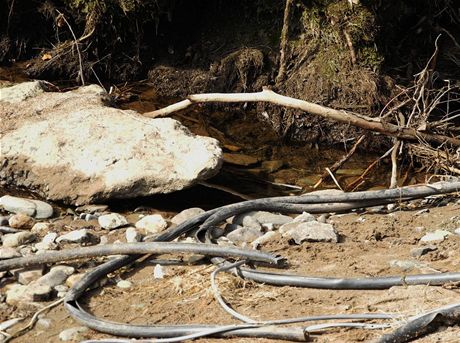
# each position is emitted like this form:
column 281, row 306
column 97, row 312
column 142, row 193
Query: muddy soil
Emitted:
column 369, row 243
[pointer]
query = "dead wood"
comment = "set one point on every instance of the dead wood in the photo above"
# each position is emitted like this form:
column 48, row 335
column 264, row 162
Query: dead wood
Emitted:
column 365, row 122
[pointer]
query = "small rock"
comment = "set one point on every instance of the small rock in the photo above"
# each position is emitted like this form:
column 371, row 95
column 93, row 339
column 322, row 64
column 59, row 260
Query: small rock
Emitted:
column 76, row 236
column 72, row 334
column 26, row 276
column 132, row 235
column 73, row 279
column 41, row 228
column 304, row 218
column 44, row 323
column 31, row 207
column 457, row 231
column 244, row 235
column 50, row 237
column 56, row 276
column 21, row 221
column 42, row 209
column 88, row 216
column 438, row 235
column 112, row 221
column 124, row 284
column 17, row 205
column 262, row 240
column 27, row 250
column 261, row 217
column 405, row 265
column 17, row 239
column 17, row 294
column 152, row 224
column 247, row 222
column 61, row 290
column 186, row 214
column 417, row 252
column 8, row 252
column 103, row 240
column 158, row 272
column 309, row 231
column 92, row 209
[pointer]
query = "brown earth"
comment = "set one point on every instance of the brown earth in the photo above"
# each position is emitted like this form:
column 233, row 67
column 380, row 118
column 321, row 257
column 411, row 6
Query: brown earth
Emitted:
column 368, row 243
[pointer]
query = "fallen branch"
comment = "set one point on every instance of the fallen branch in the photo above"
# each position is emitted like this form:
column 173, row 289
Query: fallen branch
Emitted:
column 361, row 121
column 337, row 165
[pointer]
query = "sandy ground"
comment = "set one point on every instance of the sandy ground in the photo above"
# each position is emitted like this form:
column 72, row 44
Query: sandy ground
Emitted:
column 369, row 242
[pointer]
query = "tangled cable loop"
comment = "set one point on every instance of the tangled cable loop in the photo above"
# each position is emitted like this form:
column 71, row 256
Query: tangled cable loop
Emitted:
column 271, row 328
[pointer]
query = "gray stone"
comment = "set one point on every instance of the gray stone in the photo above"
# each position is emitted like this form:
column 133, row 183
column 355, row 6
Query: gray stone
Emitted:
column 26, row 276
column 309, row 231
column 124, row 284
column 72, row 334
column 21, row 221
column 42, row 228
column 261, row 217
column 22, row 91
column 132, row 235
column 56, row 276
column 263, row 240
column 436, row 236
column 247, row 221
column 405, row 265
column 76, row 236
column 186, row 214
column 31, row 207
column 304, row 217
column 17, row 294
column 457, row 231
column 44, row 323
column 47, row 242
column 17, row 205
column 17, row 239
column 78, row 150
column 8, row 252
column 244, row 235
column 417, row 252
column 112, row 221
column 152, row 224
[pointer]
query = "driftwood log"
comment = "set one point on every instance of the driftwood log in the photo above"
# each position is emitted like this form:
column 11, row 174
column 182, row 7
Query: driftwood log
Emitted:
column 266, row 95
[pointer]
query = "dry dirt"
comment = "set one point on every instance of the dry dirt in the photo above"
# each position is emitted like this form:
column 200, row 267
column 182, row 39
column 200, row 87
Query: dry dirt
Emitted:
column 368, row 243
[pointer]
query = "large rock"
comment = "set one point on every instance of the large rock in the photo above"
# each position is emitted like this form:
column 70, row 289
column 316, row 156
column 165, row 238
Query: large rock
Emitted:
column 71, row 147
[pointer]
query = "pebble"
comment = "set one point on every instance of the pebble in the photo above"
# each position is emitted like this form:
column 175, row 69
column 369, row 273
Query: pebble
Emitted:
column 88, row 216
column 72, row 334
column 309, row 231
column 17, row 239
column 263, row 217
column 438, row 235
column 158, row 272
column 304, row 218
column 41, row 228
column 152, row 224
column 44, row 323
column 132, row 235
column 405, row 265
column 56, row 276
column 47, row 242
column 417, row 252
column 17, row 294
column 186, row 214
column 8, row 252
column 262, row 240
column 457, row 231
column 103, row 240
column 21, row 221
column 76, row 236
column 124, row 284
column 31, row 207
column 112, row 221
column 26, row 276
column 73, row 279
column 244, row 235
column 17, row 205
